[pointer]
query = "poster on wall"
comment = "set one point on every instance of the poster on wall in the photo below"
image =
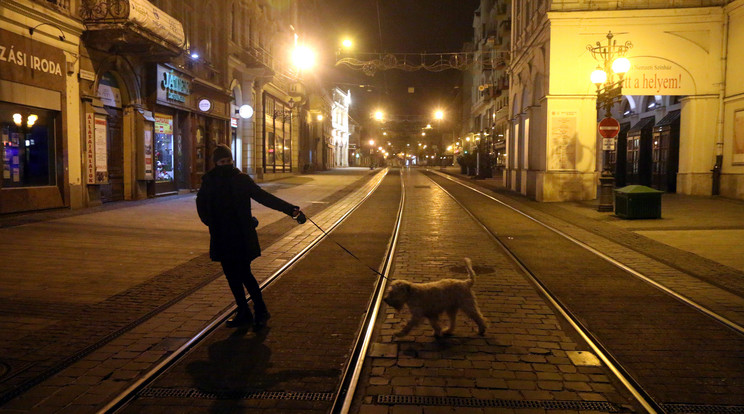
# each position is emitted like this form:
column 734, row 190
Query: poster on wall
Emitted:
column 96, row 149
column 738, row 156
column 148, row 154
column 101, row 145
column 562, row 152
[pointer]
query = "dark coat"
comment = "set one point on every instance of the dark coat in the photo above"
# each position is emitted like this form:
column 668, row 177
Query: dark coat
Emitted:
column 224, row 204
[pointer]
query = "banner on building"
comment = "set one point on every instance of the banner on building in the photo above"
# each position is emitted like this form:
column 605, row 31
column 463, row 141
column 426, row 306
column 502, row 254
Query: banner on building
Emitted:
column 650, row 75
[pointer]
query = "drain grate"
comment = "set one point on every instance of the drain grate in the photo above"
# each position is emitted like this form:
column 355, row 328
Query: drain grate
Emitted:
column 476, row 402
column 703, row 409
column 193, row 393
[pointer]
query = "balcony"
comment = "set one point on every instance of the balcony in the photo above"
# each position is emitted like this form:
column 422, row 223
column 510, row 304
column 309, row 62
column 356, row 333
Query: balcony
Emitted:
column 62, row 6
column 131, row 27
column 254, row 56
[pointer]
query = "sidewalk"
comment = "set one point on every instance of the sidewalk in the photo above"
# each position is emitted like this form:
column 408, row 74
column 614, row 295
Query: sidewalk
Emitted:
column 69, row 282
column 710, row 228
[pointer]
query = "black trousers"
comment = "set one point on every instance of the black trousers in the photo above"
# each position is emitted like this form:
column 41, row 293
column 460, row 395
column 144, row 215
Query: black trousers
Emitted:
column 238, row 274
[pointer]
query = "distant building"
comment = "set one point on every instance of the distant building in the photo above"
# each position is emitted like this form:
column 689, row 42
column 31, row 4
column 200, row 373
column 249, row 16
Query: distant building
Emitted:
column 340, row 127
column 488, row 117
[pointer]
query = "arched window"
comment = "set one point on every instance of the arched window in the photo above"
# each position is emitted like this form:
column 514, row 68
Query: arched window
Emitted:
column 625, row 108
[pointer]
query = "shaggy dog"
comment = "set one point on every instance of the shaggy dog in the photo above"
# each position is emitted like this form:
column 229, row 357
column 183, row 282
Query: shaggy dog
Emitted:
column 429, row 300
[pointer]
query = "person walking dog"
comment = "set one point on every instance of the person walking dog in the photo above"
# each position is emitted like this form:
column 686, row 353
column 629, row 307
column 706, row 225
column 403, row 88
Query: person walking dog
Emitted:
column 224, row 205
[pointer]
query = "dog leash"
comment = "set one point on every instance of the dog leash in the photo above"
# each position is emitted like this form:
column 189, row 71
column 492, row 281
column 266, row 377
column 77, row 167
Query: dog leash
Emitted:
column 344, row 248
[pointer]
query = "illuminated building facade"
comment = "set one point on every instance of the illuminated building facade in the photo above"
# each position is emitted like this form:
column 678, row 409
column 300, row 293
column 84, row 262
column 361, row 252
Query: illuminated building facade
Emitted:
column 683, row 98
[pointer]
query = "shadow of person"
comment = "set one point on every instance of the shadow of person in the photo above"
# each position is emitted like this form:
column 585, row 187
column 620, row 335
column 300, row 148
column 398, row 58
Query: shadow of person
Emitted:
column 240, row 367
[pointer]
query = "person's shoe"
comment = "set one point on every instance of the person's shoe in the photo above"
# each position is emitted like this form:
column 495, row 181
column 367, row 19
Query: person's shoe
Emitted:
column 260, row 321
column 242, row 317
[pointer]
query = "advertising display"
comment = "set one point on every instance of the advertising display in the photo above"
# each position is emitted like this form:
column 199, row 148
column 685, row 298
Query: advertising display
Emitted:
column 11, row 159
column 163, row 148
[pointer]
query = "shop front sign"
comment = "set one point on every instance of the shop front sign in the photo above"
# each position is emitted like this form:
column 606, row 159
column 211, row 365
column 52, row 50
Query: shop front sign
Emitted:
column 173, row 86
column 205, row 105
column 109, row 95
column 27, row 61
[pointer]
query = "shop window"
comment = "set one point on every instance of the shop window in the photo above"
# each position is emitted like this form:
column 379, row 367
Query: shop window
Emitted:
column 28, row 141
column 163, row 148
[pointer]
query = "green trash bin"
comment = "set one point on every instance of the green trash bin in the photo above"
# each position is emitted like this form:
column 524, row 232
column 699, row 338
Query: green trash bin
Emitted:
column 638, row 202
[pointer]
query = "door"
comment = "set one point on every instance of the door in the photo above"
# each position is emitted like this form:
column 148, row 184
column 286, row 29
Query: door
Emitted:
column 114, row 190
column 632, row 158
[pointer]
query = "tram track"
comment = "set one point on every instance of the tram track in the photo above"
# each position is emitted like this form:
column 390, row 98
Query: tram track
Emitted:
column 614, row 355
column 341, row 398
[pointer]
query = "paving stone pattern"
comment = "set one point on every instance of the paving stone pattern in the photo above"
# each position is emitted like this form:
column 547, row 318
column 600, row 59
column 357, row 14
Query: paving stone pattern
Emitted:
column 714, row 285
column 317, row 308
column 676, row 352
column 106, row 371
column 521, row 357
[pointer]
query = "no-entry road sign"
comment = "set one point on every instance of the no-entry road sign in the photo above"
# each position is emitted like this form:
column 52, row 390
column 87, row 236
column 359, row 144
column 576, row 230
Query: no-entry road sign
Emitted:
column 609, row 127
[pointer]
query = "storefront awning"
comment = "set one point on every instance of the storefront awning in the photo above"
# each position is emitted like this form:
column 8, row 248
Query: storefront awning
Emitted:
column 132, row 26
column 668, row 119
column 645, row 123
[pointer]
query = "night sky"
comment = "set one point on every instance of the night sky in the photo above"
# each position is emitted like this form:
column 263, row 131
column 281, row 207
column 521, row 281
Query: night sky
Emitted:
column 410, row 26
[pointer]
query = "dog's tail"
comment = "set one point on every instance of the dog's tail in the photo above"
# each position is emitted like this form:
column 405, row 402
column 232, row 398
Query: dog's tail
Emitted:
column 471, row 272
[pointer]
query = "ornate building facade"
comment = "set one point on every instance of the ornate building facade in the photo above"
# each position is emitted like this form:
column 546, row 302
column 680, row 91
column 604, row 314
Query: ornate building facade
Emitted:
column 107, row 100
column 488, row 119
column 682, row 98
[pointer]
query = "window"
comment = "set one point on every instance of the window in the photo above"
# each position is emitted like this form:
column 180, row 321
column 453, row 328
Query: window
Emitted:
column 234, row 20
column 278, row 139
column 28, row 142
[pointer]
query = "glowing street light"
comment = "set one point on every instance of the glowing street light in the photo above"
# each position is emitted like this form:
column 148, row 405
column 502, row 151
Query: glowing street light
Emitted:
column 303, row 57
column 611, row 61
column 439, row 115
column 379, row 115
column 347, row 43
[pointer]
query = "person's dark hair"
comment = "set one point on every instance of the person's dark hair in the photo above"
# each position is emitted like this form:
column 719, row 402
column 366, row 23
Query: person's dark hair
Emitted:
column 221, row 151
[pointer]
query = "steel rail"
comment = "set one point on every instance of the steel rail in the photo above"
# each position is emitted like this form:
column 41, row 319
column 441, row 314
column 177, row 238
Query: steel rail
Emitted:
column 645, row 400
column 684, row 299
column 350, row 378
column 121, row 400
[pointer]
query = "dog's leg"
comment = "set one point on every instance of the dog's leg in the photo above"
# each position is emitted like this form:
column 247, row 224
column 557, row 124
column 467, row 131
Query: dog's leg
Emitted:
column 434, row 321
column 452, row 313
column 412, row 323
column 471, row 309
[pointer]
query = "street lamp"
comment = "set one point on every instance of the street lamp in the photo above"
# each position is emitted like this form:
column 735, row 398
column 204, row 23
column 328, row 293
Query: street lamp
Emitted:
column 611, row 61
column 303, row 57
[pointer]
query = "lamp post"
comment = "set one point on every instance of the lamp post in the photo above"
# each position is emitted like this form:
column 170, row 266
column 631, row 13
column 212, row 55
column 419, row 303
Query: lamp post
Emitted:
column 611, row 61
